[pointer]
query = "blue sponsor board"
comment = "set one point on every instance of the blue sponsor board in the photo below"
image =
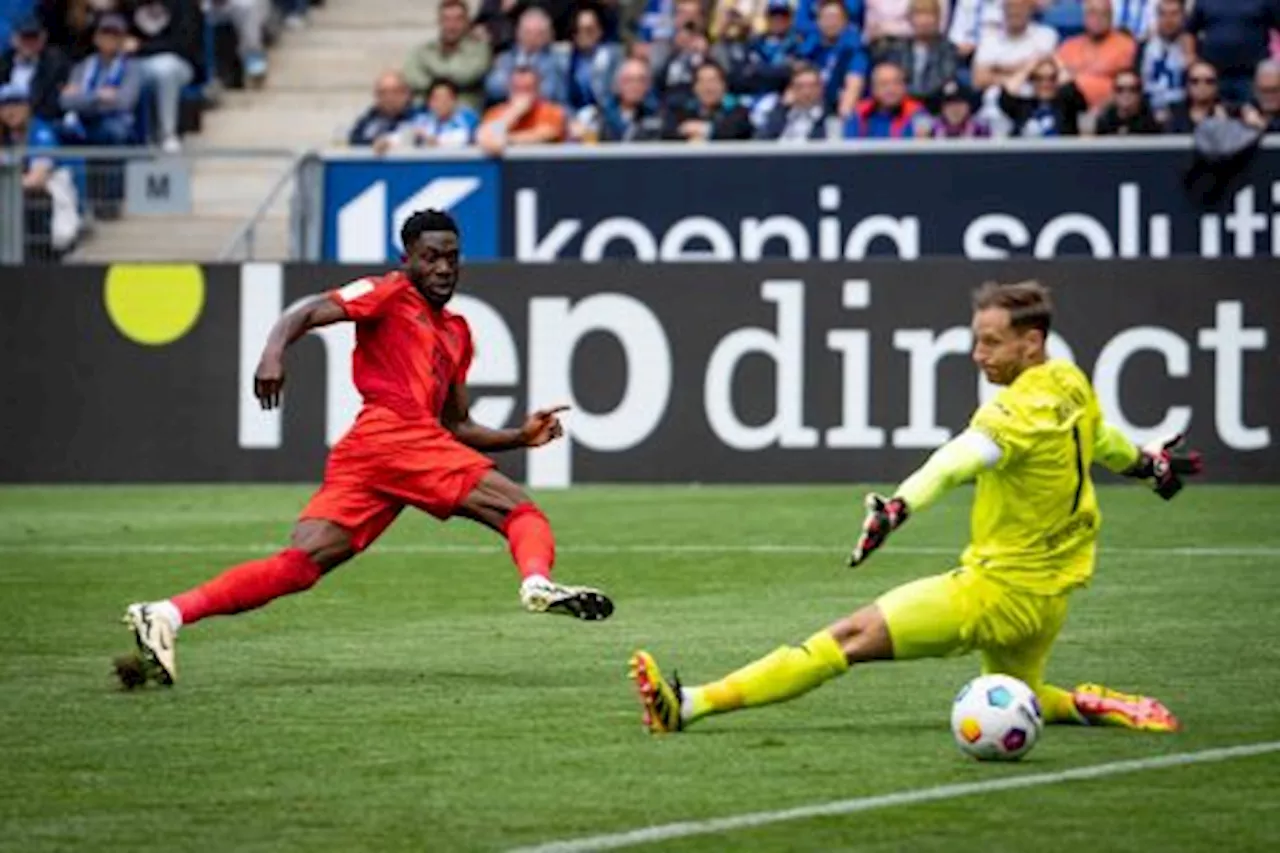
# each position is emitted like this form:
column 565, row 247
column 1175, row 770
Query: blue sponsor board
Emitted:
column 985, row 201
column 745, row 202
column 367, row 201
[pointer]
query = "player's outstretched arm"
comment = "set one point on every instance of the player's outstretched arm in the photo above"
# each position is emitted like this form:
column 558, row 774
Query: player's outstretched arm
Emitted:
column 956, row 462
column 268, row 380
column 541, row 427
column 1163, row 463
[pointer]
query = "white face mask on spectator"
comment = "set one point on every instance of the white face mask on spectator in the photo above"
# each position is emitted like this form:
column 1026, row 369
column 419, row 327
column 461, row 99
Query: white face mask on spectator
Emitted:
column 152, row 18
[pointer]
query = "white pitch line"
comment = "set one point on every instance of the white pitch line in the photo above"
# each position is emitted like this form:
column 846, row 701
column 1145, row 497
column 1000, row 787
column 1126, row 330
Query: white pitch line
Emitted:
column 658, row 548
column 686, row 829
column 108, row 548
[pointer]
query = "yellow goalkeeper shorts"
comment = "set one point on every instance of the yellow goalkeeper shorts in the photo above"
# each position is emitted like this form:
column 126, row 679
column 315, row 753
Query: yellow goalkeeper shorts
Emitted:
column 962, row 611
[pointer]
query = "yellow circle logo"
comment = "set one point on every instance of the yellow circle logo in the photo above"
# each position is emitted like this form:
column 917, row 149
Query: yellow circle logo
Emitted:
column 154, row 304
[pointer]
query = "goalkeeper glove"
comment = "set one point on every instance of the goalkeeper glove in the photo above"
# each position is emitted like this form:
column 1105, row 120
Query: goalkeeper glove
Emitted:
column 1164, row 463
column 884, row 515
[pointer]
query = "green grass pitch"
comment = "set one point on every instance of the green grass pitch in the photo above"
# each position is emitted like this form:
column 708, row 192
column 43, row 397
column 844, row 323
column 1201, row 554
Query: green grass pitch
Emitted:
column 408, row 703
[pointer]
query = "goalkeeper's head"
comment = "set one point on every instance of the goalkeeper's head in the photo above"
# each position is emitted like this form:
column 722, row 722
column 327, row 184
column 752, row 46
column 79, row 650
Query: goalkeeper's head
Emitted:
column 1010, row 328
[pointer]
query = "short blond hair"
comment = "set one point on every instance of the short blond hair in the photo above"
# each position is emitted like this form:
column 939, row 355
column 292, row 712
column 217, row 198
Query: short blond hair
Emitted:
column 932, row 6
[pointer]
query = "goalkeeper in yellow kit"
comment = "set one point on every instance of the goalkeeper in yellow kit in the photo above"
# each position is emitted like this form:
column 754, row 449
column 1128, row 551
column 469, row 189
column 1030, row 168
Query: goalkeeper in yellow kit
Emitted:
column 1034, row 525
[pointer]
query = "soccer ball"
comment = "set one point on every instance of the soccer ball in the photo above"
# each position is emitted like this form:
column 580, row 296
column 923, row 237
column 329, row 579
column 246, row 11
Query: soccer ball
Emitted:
column 996, row 718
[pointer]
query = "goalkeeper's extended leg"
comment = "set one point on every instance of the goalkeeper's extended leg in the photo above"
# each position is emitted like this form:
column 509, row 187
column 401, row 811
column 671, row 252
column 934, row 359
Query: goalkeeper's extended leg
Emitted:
column 783, row 674
column 1096, row 705
column 1088, row 704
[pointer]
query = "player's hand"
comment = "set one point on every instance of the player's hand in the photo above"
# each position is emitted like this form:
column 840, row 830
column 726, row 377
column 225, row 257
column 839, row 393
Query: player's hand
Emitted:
column 542, row 427
column 268, row 381
column 1165, row 463
column 884, row 515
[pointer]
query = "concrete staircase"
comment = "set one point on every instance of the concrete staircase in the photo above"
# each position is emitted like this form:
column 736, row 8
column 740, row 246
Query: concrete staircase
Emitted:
column 321, row 79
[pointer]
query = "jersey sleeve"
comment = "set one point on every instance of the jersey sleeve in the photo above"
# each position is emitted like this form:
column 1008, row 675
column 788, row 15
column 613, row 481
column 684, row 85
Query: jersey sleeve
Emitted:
column 365, row 298
column 999, row 420
column 468, row 354
column 1113, row 450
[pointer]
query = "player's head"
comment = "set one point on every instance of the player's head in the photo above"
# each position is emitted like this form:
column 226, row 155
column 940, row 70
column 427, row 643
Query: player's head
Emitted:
column 1010, row 328
column 431, row 249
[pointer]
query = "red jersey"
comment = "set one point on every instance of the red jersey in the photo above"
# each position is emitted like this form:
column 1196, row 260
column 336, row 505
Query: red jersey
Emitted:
column 407, row 352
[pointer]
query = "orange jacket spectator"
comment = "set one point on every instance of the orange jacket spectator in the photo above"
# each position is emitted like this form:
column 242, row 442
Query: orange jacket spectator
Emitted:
column 1095, row 57
column 542, row 116
column 524, row 119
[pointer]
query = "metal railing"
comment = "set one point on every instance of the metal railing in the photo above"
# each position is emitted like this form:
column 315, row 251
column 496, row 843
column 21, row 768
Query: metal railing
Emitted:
column 244, row 244
column 136, row 203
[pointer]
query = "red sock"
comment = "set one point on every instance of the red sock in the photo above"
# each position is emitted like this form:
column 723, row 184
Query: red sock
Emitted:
column 533, row 545
column 249, row 586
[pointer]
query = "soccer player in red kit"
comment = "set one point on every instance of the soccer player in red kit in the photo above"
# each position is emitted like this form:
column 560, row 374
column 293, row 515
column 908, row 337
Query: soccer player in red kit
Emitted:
column 413, row 444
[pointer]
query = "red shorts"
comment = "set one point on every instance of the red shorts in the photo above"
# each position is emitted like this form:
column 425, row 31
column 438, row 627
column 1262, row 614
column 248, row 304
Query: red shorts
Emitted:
column 384, row 464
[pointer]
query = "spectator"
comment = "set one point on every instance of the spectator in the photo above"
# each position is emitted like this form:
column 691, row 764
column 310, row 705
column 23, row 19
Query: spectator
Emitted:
column 1163, row 60
column 956, row 119
column 52, row 220
column 36, row 68
column 686, row 16
column 169, row 43
column 889, row 113
column 772, row 54
column 527, row 118
column 1055, row 104
column 446, row 123
column 808, row 13
column 892, row 20
column 835, row 49
column 1014, row 48
column 712, row 115
column 732, row 52
column 72, row 24
column 455, row 55
column 68, row 25
column 972, row 21
column 1203, row 100
column 391, row 118
column 610, row 13
column 674, row 80
column 592, row 64
column 101, row 99
column 632, row 114
column 1264, row 112
column 1094, row 58
column 928, row 59
column 1232, row 36
column 729, row 13
column 249, row 18
column 495, row 24
column 1128, row 114
column 532, row 49
column 801, row 116
column 1135, row 17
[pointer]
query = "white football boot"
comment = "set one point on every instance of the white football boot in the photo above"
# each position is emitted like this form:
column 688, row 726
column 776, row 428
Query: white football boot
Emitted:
column 543, row 595
column 157, row 640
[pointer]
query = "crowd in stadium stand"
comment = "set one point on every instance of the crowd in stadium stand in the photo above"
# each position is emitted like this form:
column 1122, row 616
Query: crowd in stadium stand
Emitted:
column 585, row 71
column 107, row 73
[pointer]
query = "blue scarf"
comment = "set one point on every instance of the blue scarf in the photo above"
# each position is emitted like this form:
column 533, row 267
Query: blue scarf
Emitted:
column 113, row 77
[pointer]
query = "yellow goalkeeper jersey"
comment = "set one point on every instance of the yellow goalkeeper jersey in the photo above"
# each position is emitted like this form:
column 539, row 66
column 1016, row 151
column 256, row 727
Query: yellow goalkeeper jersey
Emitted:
column 1035, row 514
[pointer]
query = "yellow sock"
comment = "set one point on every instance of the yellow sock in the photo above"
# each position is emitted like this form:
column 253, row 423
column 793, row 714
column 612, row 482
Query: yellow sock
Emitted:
column 1057, row 706
column 785, row 673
